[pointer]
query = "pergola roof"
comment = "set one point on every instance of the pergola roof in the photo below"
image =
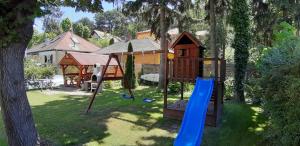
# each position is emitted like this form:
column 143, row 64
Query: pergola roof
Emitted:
column 86, row 59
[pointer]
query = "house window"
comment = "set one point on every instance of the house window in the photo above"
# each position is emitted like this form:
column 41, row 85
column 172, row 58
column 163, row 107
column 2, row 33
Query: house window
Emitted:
column 51, row 59
column 45, row 59
column 182, row 52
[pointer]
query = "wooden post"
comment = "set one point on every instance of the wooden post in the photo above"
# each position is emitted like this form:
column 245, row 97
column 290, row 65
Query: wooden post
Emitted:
column 99, row 83
column 216, row 101
column 64, row 74
column 80, row 76
column 166, row 79
column 181, row 90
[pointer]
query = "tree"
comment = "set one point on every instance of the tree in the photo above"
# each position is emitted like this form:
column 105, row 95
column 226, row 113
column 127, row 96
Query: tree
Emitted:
column 16, row 27
column 240, row 21
column 78, row 29
column 87, row 22
column 51, row 20
column 112, row 21
column 37, row 38
column 66, row 25
column 129, row 70
column 158, row 14
column 111, row 41
column 86, row 32
column 82, row 31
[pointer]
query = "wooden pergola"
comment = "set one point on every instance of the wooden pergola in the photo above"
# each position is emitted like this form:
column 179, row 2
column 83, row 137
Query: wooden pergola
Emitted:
column 84, row 63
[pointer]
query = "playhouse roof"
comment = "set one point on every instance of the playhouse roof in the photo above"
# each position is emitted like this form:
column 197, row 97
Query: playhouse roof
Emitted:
column 65, row 42
column 86, row 59
column 186, row 36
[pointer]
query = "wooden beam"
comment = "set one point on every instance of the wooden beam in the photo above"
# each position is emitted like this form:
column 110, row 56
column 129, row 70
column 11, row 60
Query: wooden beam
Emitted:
column 181, row 90
column 99, row 83
column 111, row 56
column 166, row 80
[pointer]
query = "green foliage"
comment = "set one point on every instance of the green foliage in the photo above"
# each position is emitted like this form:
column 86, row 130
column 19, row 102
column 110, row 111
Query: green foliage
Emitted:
column 175, row 87
column 240, row 21
column 229, row 89
column 278, row 85
column 82, row 30
column 283, row 32
column 99, row 42
column 111, row 41
column 86, row 22
column 112, row 21
column 34, row 71
column 129, row 69
column 66, row 25
column 24, row 12
column 281, row 90
column 86, row 32
column 78, row 29
column 37, row 38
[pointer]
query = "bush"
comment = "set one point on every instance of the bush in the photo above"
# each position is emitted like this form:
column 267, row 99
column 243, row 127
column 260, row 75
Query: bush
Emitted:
column 174, row 87
column 108, row 84
column 279, row 87
column 33, row 70
column 229, row 88
column 129, row 75
column 282, row 104
column 100, row 43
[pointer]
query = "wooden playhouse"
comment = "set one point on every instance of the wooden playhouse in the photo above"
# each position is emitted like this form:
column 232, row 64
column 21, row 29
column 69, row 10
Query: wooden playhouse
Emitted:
column 187, row 63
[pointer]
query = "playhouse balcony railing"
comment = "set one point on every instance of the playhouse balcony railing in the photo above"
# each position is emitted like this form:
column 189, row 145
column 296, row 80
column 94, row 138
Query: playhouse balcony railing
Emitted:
column 186, row 69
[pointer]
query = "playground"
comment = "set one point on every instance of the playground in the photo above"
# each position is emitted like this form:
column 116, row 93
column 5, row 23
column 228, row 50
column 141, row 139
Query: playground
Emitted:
column 61, row 119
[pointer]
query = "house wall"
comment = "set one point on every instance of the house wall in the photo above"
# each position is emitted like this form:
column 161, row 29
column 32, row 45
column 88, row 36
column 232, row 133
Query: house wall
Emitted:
column 145, row 35
column 141, row 59
column 56, row 57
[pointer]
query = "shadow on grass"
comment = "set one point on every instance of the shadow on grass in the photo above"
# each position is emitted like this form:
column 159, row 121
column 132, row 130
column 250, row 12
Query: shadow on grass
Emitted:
column 241, row 125
column 64, row 121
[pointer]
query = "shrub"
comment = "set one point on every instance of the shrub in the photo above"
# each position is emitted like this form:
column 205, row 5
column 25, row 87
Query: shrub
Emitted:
column 279, row 87
column 108, row 84
column 174, row 87
column 282, row 104
column 129, row 70
column 33, row 70
column 229, row 88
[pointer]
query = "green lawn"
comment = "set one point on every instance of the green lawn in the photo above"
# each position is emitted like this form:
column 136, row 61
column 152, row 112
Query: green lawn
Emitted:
column 116, row 121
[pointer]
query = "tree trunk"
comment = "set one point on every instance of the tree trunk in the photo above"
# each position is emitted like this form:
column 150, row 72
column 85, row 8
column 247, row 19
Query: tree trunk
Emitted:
column 212, row 39
column 15, row 109
column 163, row 46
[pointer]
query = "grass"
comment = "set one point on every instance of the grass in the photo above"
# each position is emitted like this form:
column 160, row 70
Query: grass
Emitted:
column 116, row 121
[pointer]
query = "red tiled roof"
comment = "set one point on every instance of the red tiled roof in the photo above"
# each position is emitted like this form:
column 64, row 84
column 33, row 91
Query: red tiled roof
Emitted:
column 89, row 59
column 65, row 42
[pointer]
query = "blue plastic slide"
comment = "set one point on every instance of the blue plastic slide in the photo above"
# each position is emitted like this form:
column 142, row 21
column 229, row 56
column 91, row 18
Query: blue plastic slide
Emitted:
column 190, row 133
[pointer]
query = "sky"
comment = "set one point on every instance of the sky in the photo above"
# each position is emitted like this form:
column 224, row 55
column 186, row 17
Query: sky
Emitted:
column 70, row 13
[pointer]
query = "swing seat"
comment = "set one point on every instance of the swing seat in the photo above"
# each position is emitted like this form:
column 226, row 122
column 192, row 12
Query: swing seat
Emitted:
column 125, row 96
column 148, row 100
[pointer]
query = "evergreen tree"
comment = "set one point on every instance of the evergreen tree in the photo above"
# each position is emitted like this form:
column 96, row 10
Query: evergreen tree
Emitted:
column 86, row 32
column 129, row 70
column 111, row 41
column 240, row 21
column 66, row 25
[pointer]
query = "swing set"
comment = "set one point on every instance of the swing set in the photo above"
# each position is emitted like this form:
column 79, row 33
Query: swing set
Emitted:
column 103, row 78
column 119, row 67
